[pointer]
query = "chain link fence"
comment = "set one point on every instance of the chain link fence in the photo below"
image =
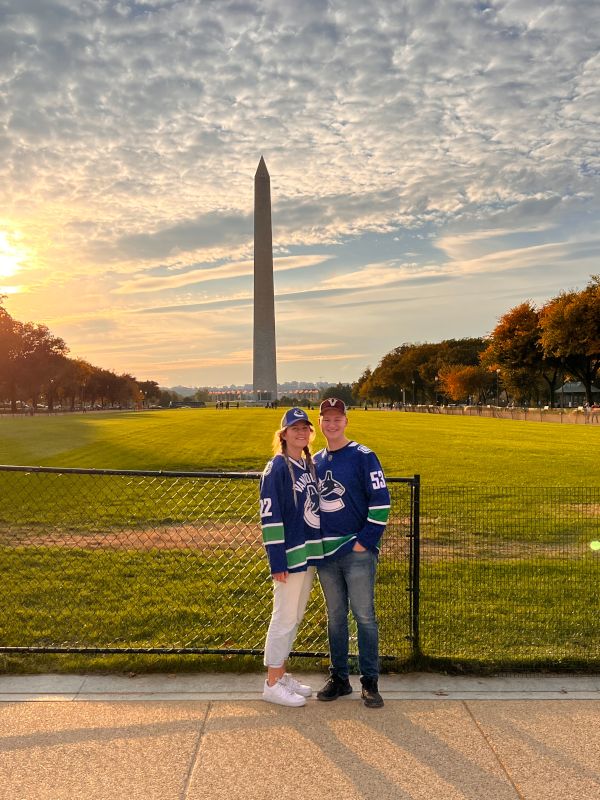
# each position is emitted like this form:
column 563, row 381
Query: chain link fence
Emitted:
column 111, row 561
column 509, row 577
column 103, row 561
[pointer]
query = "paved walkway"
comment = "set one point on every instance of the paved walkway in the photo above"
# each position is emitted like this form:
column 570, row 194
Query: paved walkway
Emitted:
column 186, row 737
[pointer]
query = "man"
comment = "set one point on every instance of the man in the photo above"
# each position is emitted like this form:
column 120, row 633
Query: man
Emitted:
column 355, row 505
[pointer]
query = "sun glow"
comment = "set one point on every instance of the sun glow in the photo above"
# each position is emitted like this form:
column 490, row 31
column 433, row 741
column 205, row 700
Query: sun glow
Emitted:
column 11, row 256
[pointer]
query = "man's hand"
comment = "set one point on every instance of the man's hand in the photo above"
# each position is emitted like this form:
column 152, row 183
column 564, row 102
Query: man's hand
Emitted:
column 280, row 576
column 358, row 547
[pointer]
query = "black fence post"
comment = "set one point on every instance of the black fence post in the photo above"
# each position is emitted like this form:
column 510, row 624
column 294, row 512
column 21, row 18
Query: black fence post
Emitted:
column 415, row 565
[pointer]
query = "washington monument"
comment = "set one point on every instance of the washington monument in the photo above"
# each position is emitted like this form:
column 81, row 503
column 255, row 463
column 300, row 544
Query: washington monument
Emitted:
column 264, row 375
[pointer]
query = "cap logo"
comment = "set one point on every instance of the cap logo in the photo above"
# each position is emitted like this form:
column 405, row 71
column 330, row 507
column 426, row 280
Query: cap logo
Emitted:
column 332, row 404
column 293, row 416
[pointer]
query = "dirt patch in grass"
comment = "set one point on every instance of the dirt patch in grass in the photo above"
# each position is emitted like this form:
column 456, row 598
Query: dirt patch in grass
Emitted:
column 199, row 536
column 489, row 552
column 587, row 509
column 209, row 536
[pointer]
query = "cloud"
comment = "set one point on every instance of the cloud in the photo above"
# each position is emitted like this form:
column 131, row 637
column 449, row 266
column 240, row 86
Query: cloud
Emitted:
column 234, row 269
column 130, row 133
column 202, row 233
column 543, row 256
column 467, row 102
column 377, row 275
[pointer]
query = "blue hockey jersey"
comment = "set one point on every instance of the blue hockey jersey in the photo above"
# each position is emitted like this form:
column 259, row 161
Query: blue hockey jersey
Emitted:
column 291, row 530
column 354, row 498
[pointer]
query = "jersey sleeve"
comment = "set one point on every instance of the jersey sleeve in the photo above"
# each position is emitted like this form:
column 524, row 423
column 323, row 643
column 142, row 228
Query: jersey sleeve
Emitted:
column 271, row 520
column 378, row 498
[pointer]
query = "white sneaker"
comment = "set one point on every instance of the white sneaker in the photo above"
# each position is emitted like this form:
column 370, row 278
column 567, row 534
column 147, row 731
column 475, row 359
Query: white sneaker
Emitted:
column 297, row 687
column 282, row 695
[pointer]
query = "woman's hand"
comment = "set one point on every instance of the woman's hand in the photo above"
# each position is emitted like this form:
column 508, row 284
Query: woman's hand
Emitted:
column 280, row 576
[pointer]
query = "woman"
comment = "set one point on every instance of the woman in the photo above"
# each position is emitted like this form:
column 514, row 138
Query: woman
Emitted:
column 289, row 513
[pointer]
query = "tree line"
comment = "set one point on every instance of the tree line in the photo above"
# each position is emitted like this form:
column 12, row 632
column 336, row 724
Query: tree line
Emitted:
column 35, row 369
column 527, row 357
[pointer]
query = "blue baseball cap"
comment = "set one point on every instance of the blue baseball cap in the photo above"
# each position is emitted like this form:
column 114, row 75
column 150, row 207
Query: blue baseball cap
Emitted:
column 294, row 415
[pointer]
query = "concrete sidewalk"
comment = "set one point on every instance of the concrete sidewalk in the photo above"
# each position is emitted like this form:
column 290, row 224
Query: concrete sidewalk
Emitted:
column 210, row 736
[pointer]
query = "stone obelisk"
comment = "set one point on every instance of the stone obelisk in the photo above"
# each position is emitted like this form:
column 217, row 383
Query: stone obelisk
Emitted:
column 264, row 377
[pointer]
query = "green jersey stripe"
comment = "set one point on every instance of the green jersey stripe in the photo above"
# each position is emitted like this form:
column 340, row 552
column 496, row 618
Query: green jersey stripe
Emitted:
column 299, row 555
column 331, row 545
column 272, row 534
column 379, row 514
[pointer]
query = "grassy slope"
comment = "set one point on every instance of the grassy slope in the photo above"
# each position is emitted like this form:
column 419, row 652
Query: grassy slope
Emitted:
column 459, row 451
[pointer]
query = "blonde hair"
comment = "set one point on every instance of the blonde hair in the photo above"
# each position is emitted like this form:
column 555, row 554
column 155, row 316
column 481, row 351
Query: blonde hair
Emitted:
column 280, row 448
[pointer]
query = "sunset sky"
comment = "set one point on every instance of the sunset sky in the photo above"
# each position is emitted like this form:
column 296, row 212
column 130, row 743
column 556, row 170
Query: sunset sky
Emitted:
column 432, row 165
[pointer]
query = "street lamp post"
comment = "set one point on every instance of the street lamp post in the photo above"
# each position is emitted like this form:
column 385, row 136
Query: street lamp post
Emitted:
column 436, row 379
column 413, row 391
column 497, row 387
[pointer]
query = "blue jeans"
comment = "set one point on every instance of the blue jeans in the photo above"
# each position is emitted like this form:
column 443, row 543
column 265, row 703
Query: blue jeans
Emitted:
column 350, row 580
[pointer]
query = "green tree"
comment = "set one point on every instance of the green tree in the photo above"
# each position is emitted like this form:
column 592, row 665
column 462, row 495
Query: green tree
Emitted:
column 167, row 397
column 10, row 348
column 341, row 390
column 397, row 377
column 39, row 363
column 361, row 389
column 150, row 391
column 73, row 381
column 30, row 359
column 409, row 371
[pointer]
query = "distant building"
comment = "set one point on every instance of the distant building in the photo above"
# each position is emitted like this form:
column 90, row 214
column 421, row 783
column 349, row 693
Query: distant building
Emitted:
column 573, row 394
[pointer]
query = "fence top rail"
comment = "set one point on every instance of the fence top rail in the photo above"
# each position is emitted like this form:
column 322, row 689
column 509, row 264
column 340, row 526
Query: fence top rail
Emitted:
column 157, row 473
column 132, row 472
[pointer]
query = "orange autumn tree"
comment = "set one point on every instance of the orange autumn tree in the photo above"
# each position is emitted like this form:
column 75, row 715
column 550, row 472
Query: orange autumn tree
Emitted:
column 570, row 332
column 460, row 382
column 515, row 349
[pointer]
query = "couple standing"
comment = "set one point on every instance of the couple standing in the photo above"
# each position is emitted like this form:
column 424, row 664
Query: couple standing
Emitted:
column 326, row 513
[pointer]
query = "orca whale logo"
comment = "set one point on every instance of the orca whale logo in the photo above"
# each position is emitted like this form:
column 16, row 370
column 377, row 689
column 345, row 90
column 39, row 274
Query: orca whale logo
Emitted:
column 331, row 492
column 311, row 507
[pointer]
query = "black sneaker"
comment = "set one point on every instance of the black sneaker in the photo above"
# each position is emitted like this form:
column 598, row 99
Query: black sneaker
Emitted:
column 370, row 693
column 334, row 688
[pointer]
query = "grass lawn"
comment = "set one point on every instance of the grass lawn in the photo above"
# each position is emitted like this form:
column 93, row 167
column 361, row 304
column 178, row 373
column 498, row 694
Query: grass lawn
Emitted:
column 507, row 573
column 444, row 450
column 511, row 613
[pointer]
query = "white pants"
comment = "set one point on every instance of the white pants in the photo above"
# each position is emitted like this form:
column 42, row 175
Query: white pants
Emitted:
column 289, row 603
